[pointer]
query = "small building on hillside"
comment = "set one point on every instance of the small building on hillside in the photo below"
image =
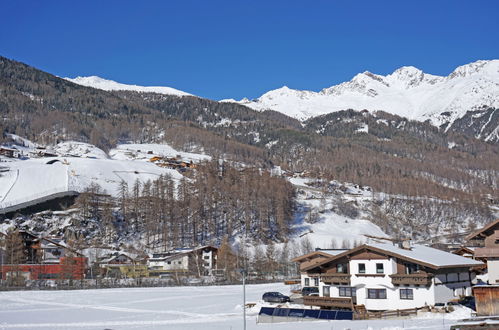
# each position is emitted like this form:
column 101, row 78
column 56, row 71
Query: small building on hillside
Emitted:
column 9, row 152
column 197, row 261
column 385, row 275
column 486, row 243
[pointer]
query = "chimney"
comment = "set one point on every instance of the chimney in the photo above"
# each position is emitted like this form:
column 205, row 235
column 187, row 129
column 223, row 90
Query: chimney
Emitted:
column 405, row 244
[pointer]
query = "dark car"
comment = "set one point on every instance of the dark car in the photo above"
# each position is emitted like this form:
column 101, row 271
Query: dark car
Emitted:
column 275, row 297
column 469, row 302
column 310, row 291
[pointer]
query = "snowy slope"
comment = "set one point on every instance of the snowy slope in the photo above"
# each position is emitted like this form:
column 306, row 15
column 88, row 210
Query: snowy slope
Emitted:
column 81, row 164
column 79, row 149
column 34, row 178
column 110, row 85
column 146, row 151
column 407, row 92
column 330, row 230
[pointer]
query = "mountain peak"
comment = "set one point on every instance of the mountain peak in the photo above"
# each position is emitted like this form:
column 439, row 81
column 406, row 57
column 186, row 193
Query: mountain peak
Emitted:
column 487, row 66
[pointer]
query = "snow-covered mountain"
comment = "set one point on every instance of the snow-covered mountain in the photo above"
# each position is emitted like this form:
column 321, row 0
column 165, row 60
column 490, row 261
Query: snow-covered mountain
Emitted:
column 110, row 85
column 407, row 92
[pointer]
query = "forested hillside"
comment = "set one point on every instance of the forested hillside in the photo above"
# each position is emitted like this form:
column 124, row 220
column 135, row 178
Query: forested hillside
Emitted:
column 433, row 172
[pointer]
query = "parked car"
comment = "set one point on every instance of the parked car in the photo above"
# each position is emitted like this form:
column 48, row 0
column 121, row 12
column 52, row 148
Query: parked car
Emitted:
column 310, row 291
column 275, row 297
column 469, row 302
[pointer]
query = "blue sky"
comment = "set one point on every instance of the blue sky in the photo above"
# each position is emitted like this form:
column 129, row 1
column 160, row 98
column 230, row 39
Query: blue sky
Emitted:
column 231, row 49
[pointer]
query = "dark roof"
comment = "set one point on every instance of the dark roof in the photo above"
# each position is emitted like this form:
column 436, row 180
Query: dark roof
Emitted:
column 482, row 231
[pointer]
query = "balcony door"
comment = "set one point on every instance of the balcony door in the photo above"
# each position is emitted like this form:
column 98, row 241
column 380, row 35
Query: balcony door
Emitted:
column 326, row 291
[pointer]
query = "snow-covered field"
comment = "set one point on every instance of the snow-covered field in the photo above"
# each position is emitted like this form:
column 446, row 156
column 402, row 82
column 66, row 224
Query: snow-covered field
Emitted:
column 212, row 307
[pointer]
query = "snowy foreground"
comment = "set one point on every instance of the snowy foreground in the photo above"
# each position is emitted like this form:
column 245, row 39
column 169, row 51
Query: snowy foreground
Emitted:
column 216, row 307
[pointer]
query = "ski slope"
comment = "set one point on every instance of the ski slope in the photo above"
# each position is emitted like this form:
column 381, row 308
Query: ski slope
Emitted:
column 207, row 308
column 81, row 164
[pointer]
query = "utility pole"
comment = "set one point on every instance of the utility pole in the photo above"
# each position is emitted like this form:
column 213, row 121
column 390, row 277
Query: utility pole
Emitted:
column 244, row 298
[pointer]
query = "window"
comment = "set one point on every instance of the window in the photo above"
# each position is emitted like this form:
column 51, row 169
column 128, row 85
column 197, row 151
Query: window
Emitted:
column 376, row 293
column 316, row 281
column 379, row 269
column 362, row 268
column 169, row 262
column 206, row 257
column 207, row 264
column 326, row 291
column 346, row 291
column 411, row 268
column 341, row 268
column 307, row 282
column 406, row 294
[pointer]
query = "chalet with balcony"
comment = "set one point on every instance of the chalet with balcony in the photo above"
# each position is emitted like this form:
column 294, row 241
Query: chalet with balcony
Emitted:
column 385, row 275
column 486, row 247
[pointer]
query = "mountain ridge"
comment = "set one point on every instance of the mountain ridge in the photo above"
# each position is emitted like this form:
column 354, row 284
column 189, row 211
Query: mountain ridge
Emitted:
column 111, row 85
column 407, row 92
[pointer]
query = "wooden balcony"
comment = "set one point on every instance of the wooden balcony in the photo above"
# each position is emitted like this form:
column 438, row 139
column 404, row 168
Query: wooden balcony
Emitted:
column 412, row 279
column 336, row 278
column 328, row 302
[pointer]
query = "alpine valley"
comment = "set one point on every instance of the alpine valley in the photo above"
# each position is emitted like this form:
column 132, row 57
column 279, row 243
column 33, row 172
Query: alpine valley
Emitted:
column 409, row 154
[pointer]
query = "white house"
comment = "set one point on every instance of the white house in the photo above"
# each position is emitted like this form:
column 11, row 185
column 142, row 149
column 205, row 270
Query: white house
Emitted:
column 387, row 276
column 200, row 261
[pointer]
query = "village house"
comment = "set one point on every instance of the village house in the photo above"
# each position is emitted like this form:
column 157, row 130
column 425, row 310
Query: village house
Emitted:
column 198, row 261
column 9, row 152
column 122, row 265
column 43, row 258
column 485, row 243
column 384, row 275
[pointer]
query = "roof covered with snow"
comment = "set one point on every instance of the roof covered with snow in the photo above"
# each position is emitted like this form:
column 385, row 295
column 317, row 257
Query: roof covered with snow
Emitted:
column 426, row 254
column 419, row 254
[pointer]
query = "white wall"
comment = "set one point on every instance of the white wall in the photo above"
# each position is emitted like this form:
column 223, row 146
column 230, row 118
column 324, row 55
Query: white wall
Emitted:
column 180, row 263
column 450, row 291
column 421, row 294
column 493, row 270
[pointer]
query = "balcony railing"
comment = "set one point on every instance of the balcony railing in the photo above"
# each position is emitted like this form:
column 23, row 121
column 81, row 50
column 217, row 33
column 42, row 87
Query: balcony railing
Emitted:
column 328, row 302
column 412, row 279
column 336, row 278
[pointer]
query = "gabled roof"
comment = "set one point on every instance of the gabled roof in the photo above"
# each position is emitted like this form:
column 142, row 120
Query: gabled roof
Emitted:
column 482, row 231
column 312, row 255
column 418, row 254
column 464, row 249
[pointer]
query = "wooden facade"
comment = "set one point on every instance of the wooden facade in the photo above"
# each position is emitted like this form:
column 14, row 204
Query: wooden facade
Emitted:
column 486, row 299
column 328, row 302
